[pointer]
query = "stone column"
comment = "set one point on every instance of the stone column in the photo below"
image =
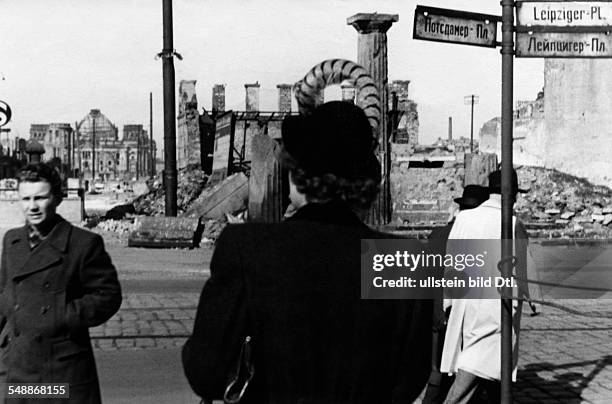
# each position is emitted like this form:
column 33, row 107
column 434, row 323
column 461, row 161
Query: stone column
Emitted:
column 218, row 98
column 252, row 97
column 284, row 97
column 372, row 55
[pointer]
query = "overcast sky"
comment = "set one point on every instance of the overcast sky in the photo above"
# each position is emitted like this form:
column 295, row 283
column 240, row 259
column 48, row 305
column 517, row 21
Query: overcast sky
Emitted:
column 61, row 58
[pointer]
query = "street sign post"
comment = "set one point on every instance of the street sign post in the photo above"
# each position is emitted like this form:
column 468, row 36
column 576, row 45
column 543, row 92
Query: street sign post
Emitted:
column 453, row 26
column 564, row 13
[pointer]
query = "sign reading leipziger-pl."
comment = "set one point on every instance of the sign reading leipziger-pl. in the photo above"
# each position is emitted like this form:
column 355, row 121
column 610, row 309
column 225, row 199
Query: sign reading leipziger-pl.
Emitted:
column 564, row 44
column 564, row 13
column 453, row 26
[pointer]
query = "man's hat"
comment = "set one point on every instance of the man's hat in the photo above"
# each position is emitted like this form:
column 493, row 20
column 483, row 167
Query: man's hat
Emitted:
column 473, row 195
column 495, row 183
column 336, row 138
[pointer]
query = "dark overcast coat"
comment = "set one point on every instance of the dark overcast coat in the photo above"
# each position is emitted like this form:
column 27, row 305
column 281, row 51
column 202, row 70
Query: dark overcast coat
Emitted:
column 295, row 288
column 50, row 296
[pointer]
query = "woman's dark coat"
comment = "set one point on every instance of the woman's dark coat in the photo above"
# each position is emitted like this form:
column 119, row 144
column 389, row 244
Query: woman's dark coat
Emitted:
column 295, row 288
column 50, row 296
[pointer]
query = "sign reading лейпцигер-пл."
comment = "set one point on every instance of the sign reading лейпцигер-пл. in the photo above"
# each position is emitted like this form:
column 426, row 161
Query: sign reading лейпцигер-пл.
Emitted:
column 453, row 26
column 564, row 44
column 564, row 13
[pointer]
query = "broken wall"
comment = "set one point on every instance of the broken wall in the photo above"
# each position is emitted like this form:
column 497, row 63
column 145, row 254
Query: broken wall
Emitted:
column 188, row 126
column 578, row 116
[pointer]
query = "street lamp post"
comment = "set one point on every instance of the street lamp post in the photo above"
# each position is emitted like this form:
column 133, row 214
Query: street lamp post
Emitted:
column 471, row 100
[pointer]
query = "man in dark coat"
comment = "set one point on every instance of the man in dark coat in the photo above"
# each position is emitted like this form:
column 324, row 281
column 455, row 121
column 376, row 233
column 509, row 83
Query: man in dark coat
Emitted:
column 294, row 287
column 56, row 281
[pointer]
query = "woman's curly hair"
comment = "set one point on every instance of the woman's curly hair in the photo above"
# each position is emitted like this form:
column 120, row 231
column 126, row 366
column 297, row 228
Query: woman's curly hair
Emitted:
column 358, row 193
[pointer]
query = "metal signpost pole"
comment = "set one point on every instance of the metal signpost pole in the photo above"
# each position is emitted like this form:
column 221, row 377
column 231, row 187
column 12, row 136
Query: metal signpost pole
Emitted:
column 169, row 112
column 507, row 52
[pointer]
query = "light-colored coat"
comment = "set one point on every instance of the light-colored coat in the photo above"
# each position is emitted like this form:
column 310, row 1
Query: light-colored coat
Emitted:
column 473, row 334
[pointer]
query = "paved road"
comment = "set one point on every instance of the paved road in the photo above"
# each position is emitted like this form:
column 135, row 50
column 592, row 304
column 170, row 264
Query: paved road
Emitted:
column 564, row 358
column 143, row 377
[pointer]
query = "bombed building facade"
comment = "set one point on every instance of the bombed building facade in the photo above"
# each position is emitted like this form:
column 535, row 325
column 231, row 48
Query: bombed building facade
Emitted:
column 196, row 131
column 569, row 125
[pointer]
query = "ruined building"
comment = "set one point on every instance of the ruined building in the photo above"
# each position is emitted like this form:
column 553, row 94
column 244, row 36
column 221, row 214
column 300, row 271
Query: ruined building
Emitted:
column 569, row 126
column 115, row 158
column 55, row 138
column 408, row 128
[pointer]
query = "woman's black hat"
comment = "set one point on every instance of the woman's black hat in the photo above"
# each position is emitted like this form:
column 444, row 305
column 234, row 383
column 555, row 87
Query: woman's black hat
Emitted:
column 335, row 139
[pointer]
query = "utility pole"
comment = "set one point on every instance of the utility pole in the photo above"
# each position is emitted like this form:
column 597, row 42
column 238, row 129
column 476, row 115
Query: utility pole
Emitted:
column 167, row 56
column 93, row 152
column 137, row 155
column 78, row 147
column 151, row 155
column 471, row 100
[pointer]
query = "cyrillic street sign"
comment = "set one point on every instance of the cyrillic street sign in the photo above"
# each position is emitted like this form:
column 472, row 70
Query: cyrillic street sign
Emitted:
column 454, row 26
column 5, row 113
column 564, row 13
column 563, row 44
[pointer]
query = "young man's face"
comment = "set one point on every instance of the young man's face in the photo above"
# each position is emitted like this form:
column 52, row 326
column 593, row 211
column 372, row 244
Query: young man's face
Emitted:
column 37, row 202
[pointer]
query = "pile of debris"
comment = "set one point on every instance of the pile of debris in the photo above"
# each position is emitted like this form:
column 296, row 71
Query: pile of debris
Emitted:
column 191, row 182
column 560, row 205
column 215, row 205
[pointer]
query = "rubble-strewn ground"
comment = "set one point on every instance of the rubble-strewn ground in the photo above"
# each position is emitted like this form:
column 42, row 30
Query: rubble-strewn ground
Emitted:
column 561, row 205
column 191, row 182
column 557, row 205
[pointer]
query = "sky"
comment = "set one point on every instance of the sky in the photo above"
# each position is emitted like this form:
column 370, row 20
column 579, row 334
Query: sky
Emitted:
column 61, row 58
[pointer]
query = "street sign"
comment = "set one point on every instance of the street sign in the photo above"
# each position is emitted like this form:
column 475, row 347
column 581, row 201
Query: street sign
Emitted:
column 454, row 26
column 564, row 13
column 564, row 44
column 5, row 113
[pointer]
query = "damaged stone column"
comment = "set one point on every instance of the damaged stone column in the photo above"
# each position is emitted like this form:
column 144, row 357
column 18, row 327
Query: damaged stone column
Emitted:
column 188, row 126
column 284, row 97
column 252, row 97
column 218, row 98
column 372, row 55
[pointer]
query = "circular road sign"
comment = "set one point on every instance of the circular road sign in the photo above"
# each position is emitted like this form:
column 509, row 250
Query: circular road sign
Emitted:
column 5, row 113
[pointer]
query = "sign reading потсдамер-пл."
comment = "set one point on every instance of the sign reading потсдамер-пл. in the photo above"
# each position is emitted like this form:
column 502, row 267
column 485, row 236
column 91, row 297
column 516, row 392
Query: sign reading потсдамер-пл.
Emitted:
column 453, row 26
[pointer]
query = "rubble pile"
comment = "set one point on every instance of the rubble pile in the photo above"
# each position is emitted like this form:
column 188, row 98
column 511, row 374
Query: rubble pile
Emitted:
column 116, row 226
column 191, row 182
column 559, row 205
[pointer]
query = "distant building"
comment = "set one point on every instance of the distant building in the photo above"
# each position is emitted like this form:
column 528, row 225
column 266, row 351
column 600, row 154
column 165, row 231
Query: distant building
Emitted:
column 114, row 158
column 56, row 138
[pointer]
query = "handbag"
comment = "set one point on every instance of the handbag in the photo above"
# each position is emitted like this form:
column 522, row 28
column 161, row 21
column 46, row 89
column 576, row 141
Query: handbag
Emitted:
column 245, row 369
column 240, row 379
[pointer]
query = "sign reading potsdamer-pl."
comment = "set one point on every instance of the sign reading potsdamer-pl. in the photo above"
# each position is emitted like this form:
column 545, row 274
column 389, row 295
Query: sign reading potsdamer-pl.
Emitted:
column 564, row 13
column 564, row 44
column 453, row 26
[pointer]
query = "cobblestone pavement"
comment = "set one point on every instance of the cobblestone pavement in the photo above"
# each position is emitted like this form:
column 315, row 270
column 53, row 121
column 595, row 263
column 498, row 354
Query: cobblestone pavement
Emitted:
column 564, row 358
column 148, row 321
